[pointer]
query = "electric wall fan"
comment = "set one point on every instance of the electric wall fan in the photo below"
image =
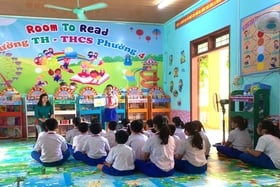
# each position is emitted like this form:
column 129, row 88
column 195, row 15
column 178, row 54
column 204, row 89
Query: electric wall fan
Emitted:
column 269, row 22
column 79, row 11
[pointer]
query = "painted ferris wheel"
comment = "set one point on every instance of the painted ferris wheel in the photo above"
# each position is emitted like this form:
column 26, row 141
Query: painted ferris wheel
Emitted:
column 10, row 69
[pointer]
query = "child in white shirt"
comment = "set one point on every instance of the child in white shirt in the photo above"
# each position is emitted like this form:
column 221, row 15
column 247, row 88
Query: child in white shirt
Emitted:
column 79, row 140
column 267, row 152
column 201, row 130
column 73, row 132
column 150, row 131
column 179, row 127
column 238, row 140
column 137, row 139
column 176, row 138
column 190, row 157
column 120, row 160
column 51, row 148
column 110, row 134
column 95, row 148
column 158, row 151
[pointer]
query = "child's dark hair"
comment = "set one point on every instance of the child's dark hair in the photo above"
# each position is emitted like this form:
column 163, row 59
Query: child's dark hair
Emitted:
column 40, row 102
column 112, row 125
column 172, row 129
column 125, row 122
column 198, row 125
column 161, row 125
column 178, row 122
column 83, row 127
column 269, row 127
column 136, row 126
column 76, row 121
column 95, row 128
column 121, row 137
column 51, row 124
column 197, row 140
column 109, row 85
column 242, row 123
column 151, row 125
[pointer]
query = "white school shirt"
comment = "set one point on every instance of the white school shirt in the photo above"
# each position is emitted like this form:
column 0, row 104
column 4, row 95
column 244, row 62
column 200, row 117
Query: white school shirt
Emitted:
column 240, row 140
column 206, row 141
column 161, row 155
column 121, row 157
column 96, row 146
column 136, row 142
column 149, row 133
column 51, row 146
column 114, row 100
column 79, row 141
column 71, row 134
column 177, row 142
column 270, row 145
column 192, row 154
column 180, row 133
column 110, row 135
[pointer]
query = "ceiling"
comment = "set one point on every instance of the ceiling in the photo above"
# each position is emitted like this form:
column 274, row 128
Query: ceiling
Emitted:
column 117, row 10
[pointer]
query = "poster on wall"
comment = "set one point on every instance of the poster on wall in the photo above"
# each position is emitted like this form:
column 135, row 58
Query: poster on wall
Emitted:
column 47, row 53
column 260, row 41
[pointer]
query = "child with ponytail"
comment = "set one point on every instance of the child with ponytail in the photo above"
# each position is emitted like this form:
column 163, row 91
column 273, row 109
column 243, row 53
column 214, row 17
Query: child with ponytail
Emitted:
column 158, row 151
column 238, row 140
column 267, row 152
column 190, row 157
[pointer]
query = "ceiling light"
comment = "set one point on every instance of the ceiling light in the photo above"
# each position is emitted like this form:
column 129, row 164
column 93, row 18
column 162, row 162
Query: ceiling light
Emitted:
column 164, row 3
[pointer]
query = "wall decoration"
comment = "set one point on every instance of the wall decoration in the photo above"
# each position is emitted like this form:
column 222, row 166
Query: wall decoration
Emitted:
column 47, row 52
column 260, row 41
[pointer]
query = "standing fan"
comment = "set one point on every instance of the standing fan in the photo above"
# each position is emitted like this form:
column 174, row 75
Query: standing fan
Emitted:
column 80, row 12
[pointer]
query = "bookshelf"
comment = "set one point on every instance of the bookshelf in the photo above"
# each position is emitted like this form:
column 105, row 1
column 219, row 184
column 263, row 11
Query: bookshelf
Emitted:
column 90, row 104
column 31, row 100
column 64, row 103
column 11, row 115
column 136, row 104
column 121, row 110
column 159, row 103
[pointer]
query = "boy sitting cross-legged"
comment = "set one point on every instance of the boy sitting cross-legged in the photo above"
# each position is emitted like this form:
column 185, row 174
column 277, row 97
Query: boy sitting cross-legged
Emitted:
column 120, row 160
column 51, row 148
column 96, row 147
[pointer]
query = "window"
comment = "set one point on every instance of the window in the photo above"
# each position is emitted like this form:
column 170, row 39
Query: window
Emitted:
column 210, row 42
column 222, row 40
column 202, row 47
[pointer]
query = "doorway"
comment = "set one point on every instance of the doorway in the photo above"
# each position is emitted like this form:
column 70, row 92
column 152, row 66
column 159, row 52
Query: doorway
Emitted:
column 210, row 81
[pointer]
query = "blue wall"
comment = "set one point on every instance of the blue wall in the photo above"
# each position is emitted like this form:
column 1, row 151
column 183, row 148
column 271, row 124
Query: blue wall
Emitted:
column 230, row 14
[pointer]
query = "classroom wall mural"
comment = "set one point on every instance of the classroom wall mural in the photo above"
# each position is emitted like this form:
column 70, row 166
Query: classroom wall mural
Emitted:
column 46, row 53
column 260, row 48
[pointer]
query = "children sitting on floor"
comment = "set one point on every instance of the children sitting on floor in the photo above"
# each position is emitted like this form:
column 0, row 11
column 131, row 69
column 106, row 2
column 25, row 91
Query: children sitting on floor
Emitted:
column 176, row 138
column 79, row 140
column 190, row 157
column 120, row 160
column 51, row 148
column 137, row 139
column 73, row 132
column 179, row 127
column 110, row 134
column 267, row 152
column 125, row 123
column 158, row 151
column 150, row 128
column 201, row 130
column 238, row 140
column 95, row 148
